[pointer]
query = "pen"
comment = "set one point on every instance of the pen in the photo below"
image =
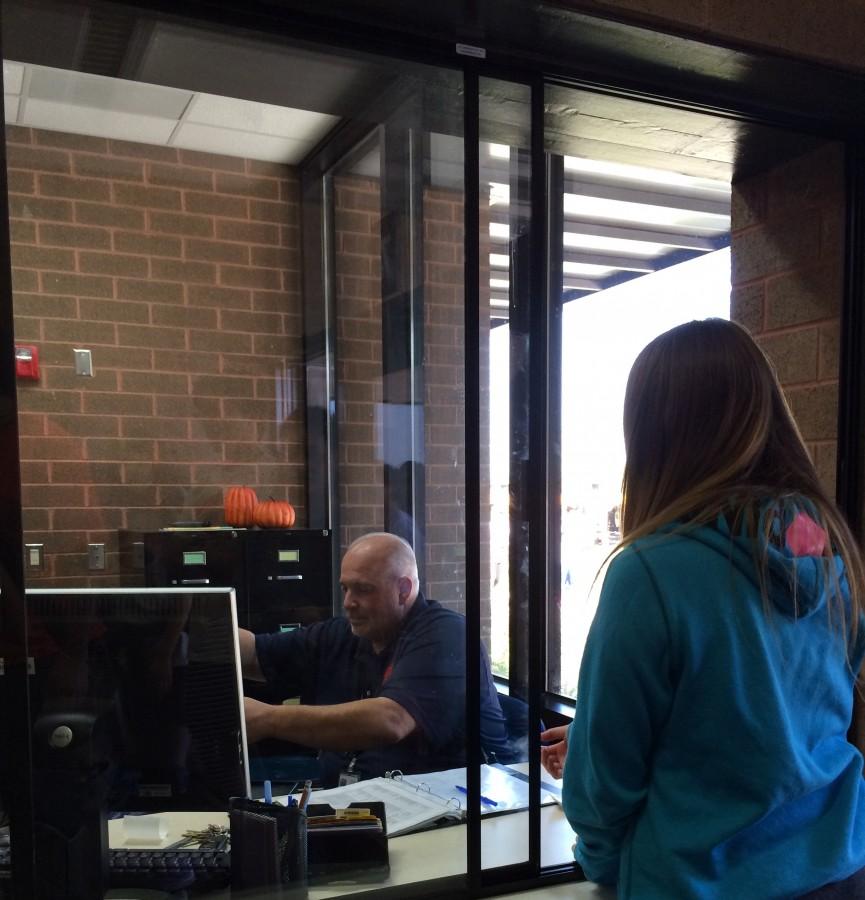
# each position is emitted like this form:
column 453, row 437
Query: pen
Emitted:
column 486, row 800
column 268, row 792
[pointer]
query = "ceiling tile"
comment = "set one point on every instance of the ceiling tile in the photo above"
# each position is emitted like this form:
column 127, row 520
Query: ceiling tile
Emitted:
column 13, row 77
column 10, row 104
column 58, row 116
column 244, row 115
column 100, row 92
column 191, row 136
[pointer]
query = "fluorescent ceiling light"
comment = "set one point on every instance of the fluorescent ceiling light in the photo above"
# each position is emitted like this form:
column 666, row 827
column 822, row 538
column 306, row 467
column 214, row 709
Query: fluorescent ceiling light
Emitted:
column 573, row 268
column 644, row 249
column 643, row 213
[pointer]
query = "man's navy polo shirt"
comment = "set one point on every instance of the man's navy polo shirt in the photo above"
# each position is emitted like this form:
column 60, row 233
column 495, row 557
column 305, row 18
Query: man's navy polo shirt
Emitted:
column 424, row 671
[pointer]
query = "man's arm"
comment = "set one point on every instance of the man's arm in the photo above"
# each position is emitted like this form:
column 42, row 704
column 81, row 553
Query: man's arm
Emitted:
column 249, row 665
column 357, row 725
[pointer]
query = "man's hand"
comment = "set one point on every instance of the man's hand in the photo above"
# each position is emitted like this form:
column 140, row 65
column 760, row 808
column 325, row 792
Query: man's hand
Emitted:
column 553, row 756
column 258, row 719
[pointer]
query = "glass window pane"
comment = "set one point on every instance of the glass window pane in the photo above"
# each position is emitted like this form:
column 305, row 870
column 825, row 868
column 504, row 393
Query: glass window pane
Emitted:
column 239, row 264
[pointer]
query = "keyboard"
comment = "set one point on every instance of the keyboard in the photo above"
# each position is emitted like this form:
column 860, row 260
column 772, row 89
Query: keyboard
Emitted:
column 169, row 870
column 161, row 870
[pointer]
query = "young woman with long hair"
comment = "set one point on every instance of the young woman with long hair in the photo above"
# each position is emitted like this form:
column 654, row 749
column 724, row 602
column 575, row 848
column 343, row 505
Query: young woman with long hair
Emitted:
column 708, row 756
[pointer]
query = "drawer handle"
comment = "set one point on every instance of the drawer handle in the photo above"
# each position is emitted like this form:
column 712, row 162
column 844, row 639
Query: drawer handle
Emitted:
column 285, row 578
column 195, row 581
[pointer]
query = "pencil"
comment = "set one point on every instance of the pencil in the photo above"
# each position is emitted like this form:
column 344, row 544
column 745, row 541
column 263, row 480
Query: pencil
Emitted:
column 304, row 797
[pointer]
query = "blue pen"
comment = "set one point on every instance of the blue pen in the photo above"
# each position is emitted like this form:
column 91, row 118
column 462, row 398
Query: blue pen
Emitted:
column 486, row 800
column 268, row 795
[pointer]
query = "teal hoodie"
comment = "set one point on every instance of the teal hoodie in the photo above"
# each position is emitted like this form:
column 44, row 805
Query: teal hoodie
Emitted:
column 708, row 755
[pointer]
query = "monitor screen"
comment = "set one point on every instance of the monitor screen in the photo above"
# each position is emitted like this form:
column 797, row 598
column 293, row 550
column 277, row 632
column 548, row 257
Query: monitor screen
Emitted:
column 137, row 692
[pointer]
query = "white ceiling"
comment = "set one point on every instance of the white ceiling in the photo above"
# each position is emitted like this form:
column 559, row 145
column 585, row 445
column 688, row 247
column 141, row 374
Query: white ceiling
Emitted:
column 81, row 103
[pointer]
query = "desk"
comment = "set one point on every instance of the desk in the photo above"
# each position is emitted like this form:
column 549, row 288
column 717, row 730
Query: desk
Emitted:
column 425, row 855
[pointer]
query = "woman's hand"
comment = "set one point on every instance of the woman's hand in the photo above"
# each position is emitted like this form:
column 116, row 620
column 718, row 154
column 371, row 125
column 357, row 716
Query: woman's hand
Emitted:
column 553, row 755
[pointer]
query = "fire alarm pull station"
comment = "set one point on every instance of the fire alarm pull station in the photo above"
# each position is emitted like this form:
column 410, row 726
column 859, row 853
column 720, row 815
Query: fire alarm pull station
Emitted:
column 27, row 361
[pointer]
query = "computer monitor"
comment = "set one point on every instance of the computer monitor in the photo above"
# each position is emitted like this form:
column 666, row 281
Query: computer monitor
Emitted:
column 136, row 697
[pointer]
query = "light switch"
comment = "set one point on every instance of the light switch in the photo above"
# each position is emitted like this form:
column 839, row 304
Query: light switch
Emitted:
column 34, row 557
column 96, row 556
column 83, row 362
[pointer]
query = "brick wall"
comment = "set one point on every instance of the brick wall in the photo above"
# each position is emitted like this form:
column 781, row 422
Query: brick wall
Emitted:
column 359, row 371
column 444, row 383
column 357, row 225
column 787, row 268
column 180, row 272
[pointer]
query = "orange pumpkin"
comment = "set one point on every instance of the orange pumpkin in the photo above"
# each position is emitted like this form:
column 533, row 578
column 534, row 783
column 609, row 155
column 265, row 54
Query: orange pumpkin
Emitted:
column 274, row 514
column 240, row 503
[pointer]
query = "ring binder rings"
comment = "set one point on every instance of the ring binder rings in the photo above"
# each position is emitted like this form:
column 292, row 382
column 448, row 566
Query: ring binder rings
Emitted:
column 409, row 806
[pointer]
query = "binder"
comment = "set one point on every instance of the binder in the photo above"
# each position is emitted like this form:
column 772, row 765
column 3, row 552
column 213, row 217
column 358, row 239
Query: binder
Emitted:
column 409, row 807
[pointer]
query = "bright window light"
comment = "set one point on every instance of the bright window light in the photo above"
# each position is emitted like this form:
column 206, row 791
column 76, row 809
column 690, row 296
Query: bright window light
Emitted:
column 500, row 194
column 499, row 284
column 499, row 261
column 499, row 230
column 499, row 151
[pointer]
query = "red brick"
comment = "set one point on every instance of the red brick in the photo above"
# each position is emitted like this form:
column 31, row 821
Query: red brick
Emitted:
column 74, row 188
column 37, row 160
column 92, row 166
column 39, row 208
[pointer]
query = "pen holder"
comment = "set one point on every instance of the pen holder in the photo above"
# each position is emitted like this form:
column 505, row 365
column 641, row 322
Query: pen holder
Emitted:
column 268, row 848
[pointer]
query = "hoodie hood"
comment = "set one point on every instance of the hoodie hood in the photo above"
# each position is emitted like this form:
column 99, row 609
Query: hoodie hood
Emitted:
column 799, row 576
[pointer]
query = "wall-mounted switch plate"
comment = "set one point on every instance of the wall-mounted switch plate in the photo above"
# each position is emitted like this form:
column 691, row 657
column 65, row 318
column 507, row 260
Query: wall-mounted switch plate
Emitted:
column 96, row 556
column 34, row 557
column 83, row 362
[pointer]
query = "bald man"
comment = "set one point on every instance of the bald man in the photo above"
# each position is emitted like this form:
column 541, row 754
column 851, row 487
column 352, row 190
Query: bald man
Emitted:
column 382, row 687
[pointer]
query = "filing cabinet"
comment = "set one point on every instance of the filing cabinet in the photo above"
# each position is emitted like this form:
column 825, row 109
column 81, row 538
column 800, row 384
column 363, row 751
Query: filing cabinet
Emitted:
column 282, row 577
column 289, row 577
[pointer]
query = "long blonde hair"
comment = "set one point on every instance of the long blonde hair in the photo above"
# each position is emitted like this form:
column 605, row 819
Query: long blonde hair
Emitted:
column 708, row 432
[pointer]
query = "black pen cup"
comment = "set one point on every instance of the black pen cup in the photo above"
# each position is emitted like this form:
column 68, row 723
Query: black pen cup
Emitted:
column 268, row 849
